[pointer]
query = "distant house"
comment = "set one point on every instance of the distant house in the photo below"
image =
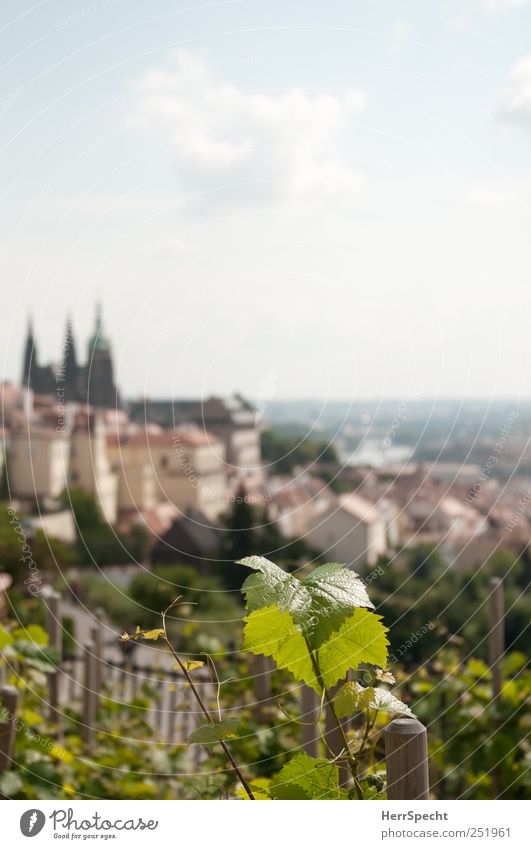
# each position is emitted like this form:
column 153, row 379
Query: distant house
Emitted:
column 37, row 462
column 351, row 531
column 190, row 539
column 185, row 467
column 232, row 420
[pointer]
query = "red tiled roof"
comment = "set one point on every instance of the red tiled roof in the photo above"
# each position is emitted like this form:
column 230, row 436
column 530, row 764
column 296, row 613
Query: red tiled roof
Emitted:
column 191, row 437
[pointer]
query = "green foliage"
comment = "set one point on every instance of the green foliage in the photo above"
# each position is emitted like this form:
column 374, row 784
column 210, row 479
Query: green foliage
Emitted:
column 318, row 604
column 273, row 633
column 361, row 639
column 478, row 746
column 284, row 453
column 48, row 553
column 214, row 732
column 304, row 777
column 352, row 697
column 97, row 541
column 318, row 629
column 314, row 627
column 412, row 592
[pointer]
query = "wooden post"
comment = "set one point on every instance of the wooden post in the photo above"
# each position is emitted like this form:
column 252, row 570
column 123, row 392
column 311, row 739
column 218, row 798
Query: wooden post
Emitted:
column 55, row 641
column 172, row 707
column 97, row 642
column 262, row 669
column 496, row 634
column 334, row 740
column 8, row 713
column 89, row 696
column 406, row 755
column 310, row 709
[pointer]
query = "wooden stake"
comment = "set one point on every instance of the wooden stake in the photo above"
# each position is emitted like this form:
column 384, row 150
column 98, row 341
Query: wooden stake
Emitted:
column 310, row 708
column 55, row 641
column 89, row 696
column 8, row 728
column 406, row 755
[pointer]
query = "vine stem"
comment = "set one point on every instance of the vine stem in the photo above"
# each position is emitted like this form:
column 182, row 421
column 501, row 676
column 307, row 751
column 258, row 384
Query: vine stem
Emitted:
column 369, row 725
column 351, row 760
column 205, row 711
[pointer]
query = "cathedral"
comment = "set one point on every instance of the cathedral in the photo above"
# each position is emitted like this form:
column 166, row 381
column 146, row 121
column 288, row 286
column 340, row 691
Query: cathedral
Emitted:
column 91, row 384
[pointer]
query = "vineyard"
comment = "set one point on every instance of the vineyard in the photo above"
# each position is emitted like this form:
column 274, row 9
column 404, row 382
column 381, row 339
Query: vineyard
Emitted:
column 307, row 706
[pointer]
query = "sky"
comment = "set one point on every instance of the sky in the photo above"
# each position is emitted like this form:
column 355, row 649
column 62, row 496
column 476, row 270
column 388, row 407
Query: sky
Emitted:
column 286, row 199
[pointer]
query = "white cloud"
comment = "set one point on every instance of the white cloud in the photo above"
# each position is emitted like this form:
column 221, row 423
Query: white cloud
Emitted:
column 515, row 105
column 265, row 146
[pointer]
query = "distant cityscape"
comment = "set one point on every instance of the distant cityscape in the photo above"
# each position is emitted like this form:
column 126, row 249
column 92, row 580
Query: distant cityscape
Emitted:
column 397, row 474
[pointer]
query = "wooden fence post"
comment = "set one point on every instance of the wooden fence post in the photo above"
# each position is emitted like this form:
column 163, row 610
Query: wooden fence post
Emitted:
column 89, row 695
column 310, row 709
column 8, row 728
column 172, row 706
column 55, row 641
column 334, row 738
column 262, row 669
column 97, row 642
column 406, row 755
column 496, row 633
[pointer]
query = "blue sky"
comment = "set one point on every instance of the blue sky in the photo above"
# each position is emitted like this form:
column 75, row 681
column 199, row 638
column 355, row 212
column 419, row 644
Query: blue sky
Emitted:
column 328, row 198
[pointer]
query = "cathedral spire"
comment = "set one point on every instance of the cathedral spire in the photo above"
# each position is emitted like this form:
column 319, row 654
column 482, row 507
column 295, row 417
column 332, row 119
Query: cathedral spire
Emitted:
column 68, row 372
column 30, row 355
column 98, row 341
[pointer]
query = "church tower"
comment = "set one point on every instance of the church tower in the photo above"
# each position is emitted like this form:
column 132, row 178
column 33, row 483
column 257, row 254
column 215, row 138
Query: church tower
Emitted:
column 100, row 387
column 41, row 379
column 30, row 356
column 69, row 373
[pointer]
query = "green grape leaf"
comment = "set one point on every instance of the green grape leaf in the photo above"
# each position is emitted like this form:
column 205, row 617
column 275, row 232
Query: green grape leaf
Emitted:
column 208, row 734
column 360, row 639
column 318, row 605
column 352, row 697
column 259, row 788
column 33, row 633
column 304, row 777
column 6, row 638
column 384, row 700
column 273, row 633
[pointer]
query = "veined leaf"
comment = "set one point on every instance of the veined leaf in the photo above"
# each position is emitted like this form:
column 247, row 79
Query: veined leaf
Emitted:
column 384, row 700
column 361, row 639
column 352, row 697
column 318, row 605
column 304, row 777
column 208, row 734
column 273, row 633
column 259, row 788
